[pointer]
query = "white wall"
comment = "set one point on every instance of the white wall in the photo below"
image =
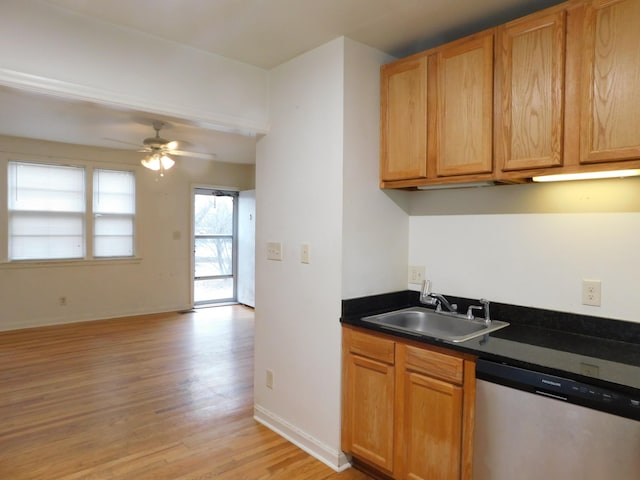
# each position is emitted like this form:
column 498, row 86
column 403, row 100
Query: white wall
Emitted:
column 533, row 245
column 46, row 48
column 374, row 228
column 298, row 198
column 316, row 183
column 159, row 281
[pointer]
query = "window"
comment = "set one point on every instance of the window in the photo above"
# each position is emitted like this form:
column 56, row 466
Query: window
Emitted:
column 46, row 211
column 114, row 207
column 50, row 212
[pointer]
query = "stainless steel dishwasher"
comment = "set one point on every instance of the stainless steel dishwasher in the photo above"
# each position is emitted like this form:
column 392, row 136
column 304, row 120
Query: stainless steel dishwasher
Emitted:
column 531, row 425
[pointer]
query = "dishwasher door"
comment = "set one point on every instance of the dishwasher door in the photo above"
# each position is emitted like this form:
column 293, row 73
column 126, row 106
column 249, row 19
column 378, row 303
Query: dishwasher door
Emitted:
column 524, row 436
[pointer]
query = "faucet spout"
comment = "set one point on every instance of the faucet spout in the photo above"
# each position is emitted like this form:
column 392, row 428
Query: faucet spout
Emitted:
column 442, row 301
column 429, row 298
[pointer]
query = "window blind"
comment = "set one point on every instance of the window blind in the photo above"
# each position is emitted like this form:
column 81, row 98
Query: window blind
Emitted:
column 114, row 209
column 46, row 206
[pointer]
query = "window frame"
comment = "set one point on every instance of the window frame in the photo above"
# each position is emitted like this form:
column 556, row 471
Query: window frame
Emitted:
column 89, row 168
column 199, row 189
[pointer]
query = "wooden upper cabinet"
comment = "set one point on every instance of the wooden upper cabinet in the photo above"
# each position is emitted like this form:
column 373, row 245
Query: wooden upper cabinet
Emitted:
column 464, row 143
column 562, row 97
column 403, row 122
column 530, row 67
column 610, row 120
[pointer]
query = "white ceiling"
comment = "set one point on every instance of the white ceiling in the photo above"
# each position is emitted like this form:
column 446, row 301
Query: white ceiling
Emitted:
column 46, row 117
column 263, row 33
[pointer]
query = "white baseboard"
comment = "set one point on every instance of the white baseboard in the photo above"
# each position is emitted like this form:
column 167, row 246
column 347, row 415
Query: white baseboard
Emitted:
column 88, row 317
column 335, row 459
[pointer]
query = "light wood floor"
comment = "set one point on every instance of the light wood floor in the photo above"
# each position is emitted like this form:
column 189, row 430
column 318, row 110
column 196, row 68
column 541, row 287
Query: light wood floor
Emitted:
column 155, row 397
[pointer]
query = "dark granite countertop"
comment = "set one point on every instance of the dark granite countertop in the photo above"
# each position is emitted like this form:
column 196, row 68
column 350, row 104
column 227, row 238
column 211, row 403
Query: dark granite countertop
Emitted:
column 599, row 351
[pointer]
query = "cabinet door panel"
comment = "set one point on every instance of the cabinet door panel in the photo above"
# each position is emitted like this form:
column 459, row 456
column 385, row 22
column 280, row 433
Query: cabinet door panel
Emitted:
column 433, row 422
column 370, row 410
column 530, row 88
column 465, row 107
column 610, row 100
column 403, row 127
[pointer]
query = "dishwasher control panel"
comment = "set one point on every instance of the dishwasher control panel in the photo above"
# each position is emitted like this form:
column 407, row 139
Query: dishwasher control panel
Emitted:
column 560, row 388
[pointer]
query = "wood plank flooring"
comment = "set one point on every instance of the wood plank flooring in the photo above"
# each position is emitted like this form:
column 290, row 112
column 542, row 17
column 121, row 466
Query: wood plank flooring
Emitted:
column 154, row 397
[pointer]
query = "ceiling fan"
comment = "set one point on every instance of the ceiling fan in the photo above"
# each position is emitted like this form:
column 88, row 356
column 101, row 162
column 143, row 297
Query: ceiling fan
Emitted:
column 159, row 150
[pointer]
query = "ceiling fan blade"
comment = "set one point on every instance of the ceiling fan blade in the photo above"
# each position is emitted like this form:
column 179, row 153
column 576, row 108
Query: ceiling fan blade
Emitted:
column 204, row 156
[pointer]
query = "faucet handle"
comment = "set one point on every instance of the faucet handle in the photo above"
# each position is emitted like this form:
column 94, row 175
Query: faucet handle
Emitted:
column 471, row 309
column 426, row 287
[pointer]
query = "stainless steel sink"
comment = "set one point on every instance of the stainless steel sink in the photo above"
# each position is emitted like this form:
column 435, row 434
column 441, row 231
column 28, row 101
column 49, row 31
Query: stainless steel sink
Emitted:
column 452, row 327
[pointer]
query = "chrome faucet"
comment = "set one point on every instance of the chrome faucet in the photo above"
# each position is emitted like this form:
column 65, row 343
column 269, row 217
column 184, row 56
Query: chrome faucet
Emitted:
column 429, row 298
column 485, row 307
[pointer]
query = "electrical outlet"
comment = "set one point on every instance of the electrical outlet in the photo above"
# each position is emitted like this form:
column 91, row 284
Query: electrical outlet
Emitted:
column 274, row 251
column 416, row 274
column 269, row 379
column 591, row 292
column 62, row 301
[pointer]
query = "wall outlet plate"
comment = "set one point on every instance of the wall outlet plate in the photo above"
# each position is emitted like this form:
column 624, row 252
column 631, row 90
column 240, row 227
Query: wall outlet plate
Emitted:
column 416, row 274
column 591, row 292
column 274, row 251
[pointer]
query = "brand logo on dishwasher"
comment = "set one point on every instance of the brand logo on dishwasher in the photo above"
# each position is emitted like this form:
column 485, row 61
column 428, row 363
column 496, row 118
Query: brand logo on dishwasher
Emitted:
column 550, row 382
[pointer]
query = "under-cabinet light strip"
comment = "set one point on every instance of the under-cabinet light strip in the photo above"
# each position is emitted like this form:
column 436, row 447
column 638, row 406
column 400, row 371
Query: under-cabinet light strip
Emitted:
column 587, row 176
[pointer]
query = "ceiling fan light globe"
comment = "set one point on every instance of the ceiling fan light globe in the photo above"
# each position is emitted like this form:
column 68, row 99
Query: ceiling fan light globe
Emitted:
column 152, row 162
column 167, row 162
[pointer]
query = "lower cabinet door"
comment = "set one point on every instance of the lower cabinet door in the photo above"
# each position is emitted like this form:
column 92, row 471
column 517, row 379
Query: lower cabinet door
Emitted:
column 370, row 411
column 433, row 428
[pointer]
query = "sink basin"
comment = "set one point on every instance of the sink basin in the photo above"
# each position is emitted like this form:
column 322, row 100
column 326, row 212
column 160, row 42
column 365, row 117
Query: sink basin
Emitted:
column 421, row 321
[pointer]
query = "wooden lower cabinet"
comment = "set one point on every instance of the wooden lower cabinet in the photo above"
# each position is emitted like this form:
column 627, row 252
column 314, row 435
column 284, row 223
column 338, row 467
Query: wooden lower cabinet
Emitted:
column 431, row 417
column 409, row 416
column 368, row 398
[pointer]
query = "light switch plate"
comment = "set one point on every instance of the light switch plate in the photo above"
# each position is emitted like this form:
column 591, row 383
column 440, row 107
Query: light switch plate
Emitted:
column 305, row 253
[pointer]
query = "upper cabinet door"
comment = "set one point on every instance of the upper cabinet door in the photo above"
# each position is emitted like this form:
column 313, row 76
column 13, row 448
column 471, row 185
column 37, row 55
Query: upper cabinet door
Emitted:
column 403, row 122
column 465, row 106
column 610, row 120
column 530, row 92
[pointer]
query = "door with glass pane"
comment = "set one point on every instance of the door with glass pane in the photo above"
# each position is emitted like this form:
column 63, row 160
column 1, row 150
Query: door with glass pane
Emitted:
column 214, row 252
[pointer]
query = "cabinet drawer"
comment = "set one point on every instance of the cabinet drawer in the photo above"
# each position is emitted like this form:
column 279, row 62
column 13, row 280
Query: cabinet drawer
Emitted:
column 370, row 346
column 434, row 364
